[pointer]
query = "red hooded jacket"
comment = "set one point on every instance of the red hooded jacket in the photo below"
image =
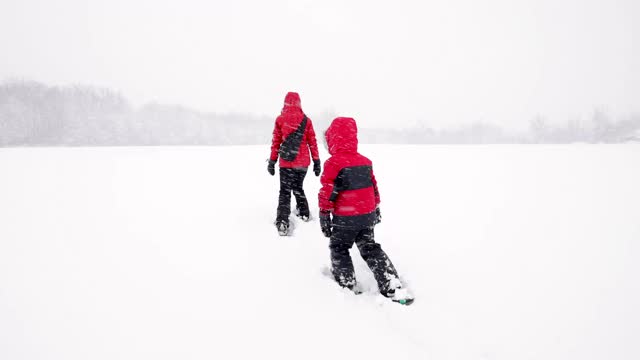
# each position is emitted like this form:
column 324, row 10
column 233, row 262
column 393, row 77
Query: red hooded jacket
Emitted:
column 287, row 123
column 349, row 188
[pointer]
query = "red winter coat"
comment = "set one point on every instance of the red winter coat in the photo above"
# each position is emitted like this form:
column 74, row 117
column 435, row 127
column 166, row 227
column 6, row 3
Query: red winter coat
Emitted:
column 349, row 188
column 287, row 123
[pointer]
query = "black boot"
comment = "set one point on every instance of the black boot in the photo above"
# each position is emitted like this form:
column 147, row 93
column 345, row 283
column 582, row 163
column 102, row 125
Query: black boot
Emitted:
column 379, row 263
column 302, row 213
column 283, row 227
column 287, row 182
column 341, row 263
column 302, row 206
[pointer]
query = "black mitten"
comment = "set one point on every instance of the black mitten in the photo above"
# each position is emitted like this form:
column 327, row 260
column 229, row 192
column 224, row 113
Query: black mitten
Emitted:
column 271, row 168
column 325, row 223
column 378, row 216
column 316, row 167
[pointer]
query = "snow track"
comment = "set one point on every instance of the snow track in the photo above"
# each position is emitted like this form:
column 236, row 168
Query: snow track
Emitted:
column 512, row 252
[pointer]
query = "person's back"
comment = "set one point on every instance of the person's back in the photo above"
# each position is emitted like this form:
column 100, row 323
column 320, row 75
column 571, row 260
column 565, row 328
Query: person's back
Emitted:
column 350, row 193
column 287, row 124
column 349, row 188
column 293, row 139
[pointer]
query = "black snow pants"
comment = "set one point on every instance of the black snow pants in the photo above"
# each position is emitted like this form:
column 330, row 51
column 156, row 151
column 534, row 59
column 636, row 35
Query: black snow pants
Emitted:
column 342, row 266
column 291, row 180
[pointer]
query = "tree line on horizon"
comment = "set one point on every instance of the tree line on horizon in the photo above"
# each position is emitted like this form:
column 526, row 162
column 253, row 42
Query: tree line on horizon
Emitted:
column 34, row 114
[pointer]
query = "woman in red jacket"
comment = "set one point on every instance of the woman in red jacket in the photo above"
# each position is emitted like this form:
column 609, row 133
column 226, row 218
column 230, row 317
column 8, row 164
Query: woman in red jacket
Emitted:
column 293, row 138
column 350, row 193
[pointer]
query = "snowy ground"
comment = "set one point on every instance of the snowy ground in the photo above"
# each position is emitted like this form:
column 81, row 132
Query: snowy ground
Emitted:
column 513, row 252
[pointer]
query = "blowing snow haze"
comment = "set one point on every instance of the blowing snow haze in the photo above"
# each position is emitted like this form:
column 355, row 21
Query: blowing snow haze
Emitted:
column 387, row 64
column 134, row 252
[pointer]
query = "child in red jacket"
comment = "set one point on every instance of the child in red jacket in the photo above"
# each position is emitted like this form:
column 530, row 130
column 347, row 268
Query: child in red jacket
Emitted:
column 293, row 139
column 350, row 193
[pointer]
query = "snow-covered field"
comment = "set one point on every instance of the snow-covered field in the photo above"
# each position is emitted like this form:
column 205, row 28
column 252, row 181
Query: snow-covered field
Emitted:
column 513, row 252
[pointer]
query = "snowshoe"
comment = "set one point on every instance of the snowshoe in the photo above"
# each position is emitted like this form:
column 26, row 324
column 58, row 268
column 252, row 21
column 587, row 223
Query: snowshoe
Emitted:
column 355, row 287
column 400, row 295
column 283, row 228
column 404, row 301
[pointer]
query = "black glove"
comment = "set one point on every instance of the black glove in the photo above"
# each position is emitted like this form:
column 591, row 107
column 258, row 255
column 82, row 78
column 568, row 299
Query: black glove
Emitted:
column 316, row 167
column 378, row 216
column 325, row 223
column 271, row 168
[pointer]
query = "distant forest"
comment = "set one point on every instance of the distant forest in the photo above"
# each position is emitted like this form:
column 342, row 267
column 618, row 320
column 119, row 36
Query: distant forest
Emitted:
column 34, row 114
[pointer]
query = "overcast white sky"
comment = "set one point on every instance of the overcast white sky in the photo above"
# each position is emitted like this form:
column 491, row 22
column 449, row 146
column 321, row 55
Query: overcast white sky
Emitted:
column 392, row 63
